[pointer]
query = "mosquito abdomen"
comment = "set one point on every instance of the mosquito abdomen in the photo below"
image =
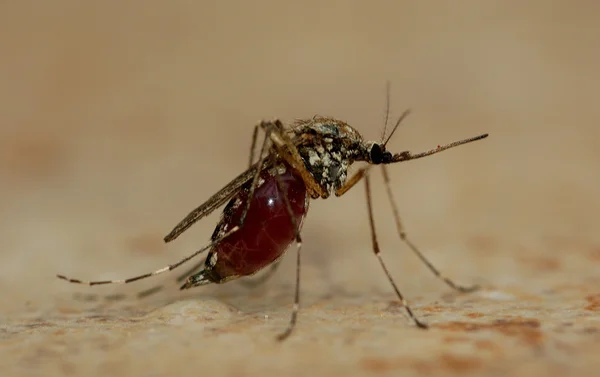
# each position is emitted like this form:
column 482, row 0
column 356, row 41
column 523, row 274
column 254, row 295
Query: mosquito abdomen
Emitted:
column 267, row 231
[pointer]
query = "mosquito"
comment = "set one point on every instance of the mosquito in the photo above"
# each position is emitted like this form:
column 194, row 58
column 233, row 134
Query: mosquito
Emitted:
column 267, row 203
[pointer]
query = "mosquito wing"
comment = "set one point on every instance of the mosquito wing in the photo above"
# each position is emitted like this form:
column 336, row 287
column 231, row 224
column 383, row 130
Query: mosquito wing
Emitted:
column 214, row 201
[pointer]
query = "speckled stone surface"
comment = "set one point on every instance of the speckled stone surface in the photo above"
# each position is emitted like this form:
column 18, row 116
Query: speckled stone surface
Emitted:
column 117, row 118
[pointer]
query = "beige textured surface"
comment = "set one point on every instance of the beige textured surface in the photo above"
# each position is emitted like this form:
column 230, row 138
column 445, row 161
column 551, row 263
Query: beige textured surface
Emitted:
column 116, row 118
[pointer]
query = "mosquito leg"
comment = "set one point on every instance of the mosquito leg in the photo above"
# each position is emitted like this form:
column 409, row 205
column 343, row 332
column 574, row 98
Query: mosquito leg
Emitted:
column 273, row 268
column 253, row 145
column 278, row 127
column 296, row 306
column 403, row 237
column 353, row 180
column 153, row 273
column 377, row 252
column 141, row 294
column 288, row 151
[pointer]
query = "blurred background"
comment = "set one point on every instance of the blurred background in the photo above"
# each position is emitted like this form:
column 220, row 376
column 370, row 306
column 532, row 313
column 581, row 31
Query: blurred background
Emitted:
column 118, row 117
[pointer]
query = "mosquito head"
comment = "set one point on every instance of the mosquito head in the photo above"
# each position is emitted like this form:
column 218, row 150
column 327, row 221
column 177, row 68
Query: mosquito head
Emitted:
column 377, row 154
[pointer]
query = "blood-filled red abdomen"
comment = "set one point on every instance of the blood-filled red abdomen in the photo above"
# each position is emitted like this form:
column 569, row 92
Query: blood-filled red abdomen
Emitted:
column 267, row 231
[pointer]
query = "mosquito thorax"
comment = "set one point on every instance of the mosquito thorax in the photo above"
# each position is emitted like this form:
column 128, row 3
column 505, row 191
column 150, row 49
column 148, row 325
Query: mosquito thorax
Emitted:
column 376, row 154
column 328, row 147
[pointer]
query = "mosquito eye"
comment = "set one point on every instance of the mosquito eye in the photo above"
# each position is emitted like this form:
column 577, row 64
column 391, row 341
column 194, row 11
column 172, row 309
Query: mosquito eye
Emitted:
column 376, row 154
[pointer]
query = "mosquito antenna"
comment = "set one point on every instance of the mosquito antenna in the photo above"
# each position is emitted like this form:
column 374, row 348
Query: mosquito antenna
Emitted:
column 387, row 109
column 405, row 156
column 404, row 115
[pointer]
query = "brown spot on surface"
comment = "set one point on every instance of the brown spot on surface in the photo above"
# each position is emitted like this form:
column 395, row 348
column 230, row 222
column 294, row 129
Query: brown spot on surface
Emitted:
column 30, row 156
column 460, row 364
column 486, row 244
column 381, row 365
column 527, row 330
column 555, row 242
column 433, row 309
column 455, row 363
column 594, row 254
column 475, row 315
column 456, row 339
column 487, row 345
column 67, row 368
column 594, row 302
column 541, row 263
column 571, row 287
column 590, row 330
column 378, row 364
